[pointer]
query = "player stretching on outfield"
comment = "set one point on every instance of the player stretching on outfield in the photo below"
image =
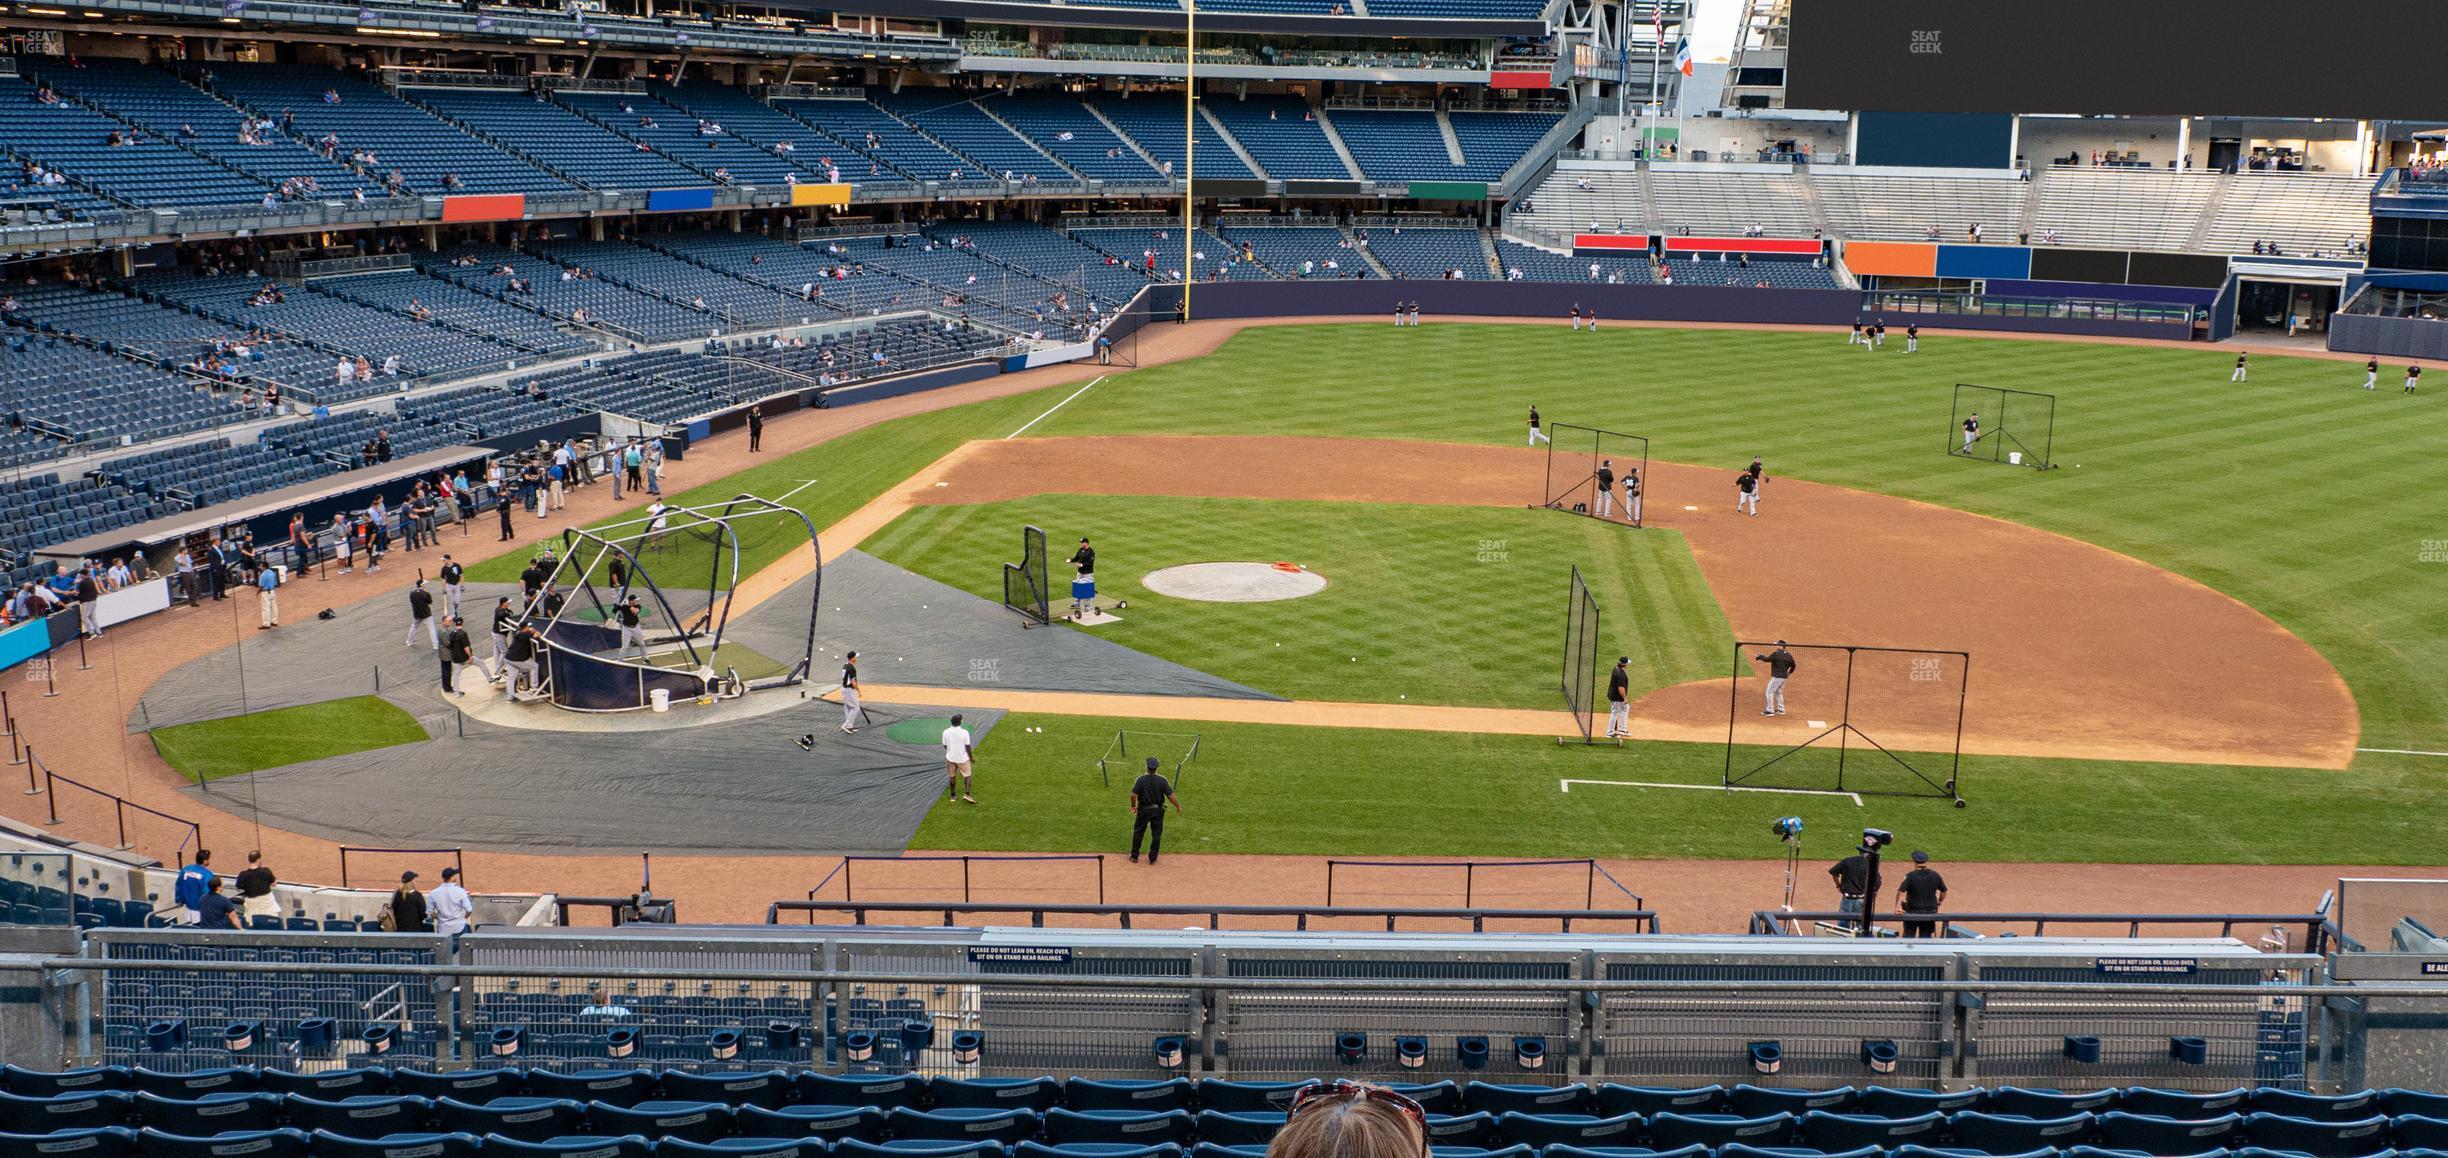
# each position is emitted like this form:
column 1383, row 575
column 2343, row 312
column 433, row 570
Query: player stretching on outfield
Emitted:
column 1606, row 488
column 2413, row 377
column 1912, row 337
column 1537, row 435
column 2243, row 370
column 1746, row 493
column 1971, row 429
column 1780, row 668
column 2371, row 373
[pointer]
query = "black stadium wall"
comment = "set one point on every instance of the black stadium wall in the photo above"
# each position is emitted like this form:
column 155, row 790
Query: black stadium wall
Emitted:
column 1936, row 140
column 1643, row 303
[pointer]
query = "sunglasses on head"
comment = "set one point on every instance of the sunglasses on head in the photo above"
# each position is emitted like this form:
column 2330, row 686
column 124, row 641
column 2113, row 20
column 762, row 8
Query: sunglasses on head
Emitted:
column 1339, row 1090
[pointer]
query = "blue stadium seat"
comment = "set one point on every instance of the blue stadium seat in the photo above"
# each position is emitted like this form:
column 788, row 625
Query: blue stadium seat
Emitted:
column 2183, row 1104
column 1675, row 1131
column 2416, row 1132
column 1002, row 1127
column 2152, row 1134
column 1237, row 1129
column 1247, row 1097
column 94, row 1142
column 1893, row 1103
column 330, row 1085
column 1570, row 1129
column 1143, row 1096
column 694, row 1121
column 1038, row 1093
column 743, row 1148
column 1853, row 1131
column 2320, row 1139
column 2396, row 1102
column 833, row 1123
column 361, row 1115
column 1093, row 1150
column 330, row 1145
column 2023, row 1103
column 1748, row 1101
column 1216, row 1150
column 23, row 1115
column 1741, row 1151
column 1117, row 1127
column 2105, row 1152
column 883, row 1091
column 611, row 1087
column 46, row 1083
column 1472, row 1129
column 1434, row 1097
column 854, row 1148
column 2011, row 1133
column 209, row 1115
column 251, row 1144
column 569, row 1146
column 1615, row 1099
column 1967, row 1152
column 472, row 1086
column 533, row 1119
column 192, row 1083
column 2318, row 1107
column 1515, row 1099
column 1622, row 1152
column 2263, row 1152
column 767, row 1088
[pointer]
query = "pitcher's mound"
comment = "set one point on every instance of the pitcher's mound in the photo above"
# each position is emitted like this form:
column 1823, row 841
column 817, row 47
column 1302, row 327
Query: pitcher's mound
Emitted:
column 1235, row 582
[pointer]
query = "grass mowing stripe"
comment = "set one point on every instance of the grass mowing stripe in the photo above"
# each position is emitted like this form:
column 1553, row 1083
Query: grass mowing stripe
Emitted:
column 236, row 745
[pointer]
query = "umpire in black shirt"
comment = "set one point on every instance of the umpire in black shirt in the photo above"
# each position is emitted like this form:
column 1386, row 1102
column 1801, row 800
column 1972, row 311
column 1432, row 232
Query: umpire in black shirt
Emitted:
column 1148, row 796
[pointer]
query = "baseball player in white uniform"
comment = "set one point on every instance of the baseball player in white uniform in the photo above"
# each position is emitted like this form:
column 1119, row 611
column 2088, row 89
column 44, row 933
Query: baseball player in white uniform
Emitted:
column 1971, row 431
column 1606, row 488
column 1780, row 668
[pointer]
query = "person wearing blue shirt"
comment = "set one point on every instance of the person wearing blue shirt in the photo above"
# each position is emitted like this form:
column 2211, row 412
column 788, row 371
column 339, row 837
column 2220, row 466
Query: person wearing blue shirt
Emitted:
column 267, row 581
column 194, row 881
column 61, row 583
column 215, row 911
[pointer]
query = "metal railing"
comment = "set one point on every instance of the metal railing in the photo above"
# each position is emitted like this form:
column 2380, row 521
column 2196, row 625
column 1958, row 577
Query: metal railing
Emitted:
column 119, row 808
column 1215, row 916
column 2314, row 928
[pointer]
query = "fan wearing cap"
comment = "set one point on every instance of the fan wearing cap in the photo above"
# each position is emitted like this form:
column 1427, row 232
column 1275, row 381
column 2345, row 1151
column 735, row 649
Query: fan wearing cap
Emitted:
column 1619, row 699
column 1921, row 892
column 450, row 905
column 408, row 907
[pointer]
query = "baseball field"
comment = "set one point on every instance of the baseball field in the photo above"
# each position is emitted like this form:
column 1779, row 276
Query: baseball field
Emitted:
column 2209, row 636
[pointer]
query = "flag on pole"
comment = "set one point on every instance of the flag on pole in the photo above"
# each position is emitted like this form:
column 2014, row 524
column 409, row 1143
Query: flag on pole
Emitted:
column 1683, row 57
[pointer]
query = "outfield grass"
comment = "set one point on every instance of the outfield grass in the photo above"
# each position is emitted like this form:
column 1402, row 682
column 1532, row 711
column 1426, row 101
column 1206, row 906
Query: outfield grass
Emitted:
column 1352, row 792
column 237, row 745
column 2298, row 493
column 847, row 472
column 1431, row 604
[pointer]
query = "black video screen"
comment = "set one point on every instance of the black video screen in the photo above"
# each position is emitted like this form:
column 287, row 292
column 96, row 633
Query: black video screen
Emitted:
column 2368, row 59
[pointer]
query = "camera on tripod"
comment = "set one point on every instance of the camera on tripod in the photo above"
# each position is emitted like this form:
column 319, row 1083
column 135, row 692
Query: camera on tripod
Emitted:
column 1786, row 828
column 1874, row 839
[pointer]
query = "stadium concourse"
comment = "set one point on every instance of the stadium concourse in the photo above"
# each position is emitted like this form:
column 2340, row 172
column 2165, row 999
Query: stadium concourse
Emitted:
column 83, row 728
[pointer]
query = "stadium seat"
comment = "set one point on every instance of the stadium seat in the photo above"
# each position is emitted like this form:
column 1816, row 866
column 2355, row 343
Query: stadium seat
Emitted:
column 2318, row 1107
column 250, row 1144
column 329, row 1085
column 1237, row 1129
column 1002, row 1127
column 883, row 1091
column 2152, row 1134
column 2023, row 1103
column 2104, row 1152
column 1966, row 1152
column 2318, row 1138
column 2182, row 1104
column 1144, row 1096
column 1117, row 1127
column 1480, row 1152
column 1474, row 1129
column 2012, row 1134
column 362, row 1115
column 1093, row 1150
column 1214, row 1150
column 1614, row 1099
column 23, row 1115
column 330, row 1145
column 472, row 1086
column 49, row 1083
column 1570, row 1129
column 1434, row 1097
column 854, row 1148
column 742, row 1148
column 1675, row 1131
column 1622, row 1152
column 1500, row 1100
column 192, row 1083
column 1748, row 1101
column 767, row 1088
column 694, row 1121
column 611, row 1087
column 2395, row 1102
column 832, row 1123
column 1039, row 1093
column 2416, row 1132
column 2263, row 1152
column 1247, row 1097
column 96, row 1142
column 1741, row 1151
column 569, row 1146
column 1827, row 1131
column 531, row 1119
column 1893, row 1103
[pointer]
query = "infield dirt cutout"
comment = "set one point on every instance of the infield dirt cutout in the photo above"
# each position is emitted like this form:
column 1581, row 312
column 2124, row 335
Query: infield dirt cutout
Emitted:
column 2078, row 651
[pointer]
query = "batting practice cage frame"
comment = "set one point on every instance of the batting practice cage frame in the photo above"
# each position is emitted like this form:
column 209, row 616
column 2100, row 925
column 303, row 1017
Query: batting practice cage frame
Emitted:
column 1580, row 682
column 2025, row 425
column 1882, row 721
column 585, row 666
column 1024, row 582
column 1577, row 493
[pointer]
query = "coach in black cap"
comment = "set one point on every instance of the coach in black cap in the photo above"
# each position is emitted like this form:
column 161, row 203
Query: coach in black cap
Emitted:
column 1148, row 796
column 1920, row 894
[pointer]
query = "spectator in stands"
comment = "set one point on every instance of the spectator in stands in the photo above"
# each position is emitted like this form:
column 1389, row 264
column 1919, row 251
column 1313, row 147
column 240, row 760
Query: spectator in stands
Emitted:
column 118, row 576
column 451, row 906
column 407, row 907
column 194, row 880
column 215, row 911
column 255, row 889
column 184, row 567
column 1342, row 1119
column 604, row 1007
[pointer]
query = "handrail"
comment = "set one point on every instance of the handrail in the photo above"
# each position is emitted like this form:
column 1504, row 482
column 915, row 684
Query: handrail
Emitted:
column 1645, row 919
column 119, row 804
column 1777, row 921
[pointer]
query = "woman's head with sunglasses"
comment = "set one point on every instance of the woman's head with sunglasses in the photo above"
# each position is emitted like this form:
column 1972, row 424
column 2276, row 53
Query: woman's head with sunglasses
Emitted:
column 1351, row 1120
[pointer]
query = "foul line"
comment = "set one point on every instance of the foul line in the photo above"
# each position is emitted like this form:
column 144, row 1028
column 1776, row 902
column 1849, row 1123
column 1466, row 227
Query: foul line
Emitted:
column 1855, row 797
column 2401, row 751
column 1057, row 406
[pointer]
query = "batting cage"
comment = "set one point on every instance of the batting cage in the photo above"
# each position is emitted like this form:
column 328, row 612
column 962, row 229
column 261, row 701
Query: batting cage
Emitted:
column 1580, row 678
column 1576, row 455
column 1127, row 753
column 1846, row 720
column 1995, row 424
column 1024, row 582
